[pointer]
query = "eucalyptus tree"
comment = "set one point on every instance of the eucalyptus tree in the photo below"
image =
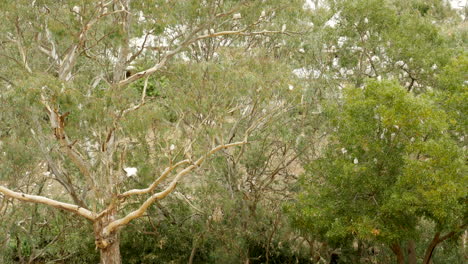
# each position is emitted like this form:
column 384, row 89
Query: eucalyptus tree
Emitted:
column 237, row 199
column 85, row 99
column 405, row 40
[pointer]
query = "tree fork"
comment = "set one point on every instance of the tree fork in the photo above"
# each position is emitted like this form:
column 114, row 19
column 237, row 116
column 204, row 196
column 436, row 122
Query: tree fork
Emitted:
column 108, row 245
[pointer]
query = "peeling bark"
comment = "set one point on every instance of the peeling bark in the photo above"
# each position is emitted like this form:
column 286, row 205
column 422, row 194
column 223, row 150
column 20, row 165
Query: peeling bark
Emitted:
column 108, row 244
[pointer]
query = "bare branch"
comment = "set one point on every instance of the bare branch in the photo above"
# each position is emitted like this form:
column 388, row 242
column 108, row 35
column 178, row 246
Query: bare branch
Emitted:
column 143, row 46
column 135, row 107
column 157, row 196
column 59, row 175
column 241, row 32
column 68, row 61
column 21, row 49
column 47, row 201
column 58, row 124
column 156, row 67
column 6, row 80
column 189, row 40
column 153, row 186
column 39, row 254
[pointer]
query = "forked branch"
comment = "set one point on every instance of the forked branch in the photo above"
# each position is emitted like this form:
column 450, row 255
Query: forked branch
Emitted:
column 160, row 195
column 153, row 186
column 57, row 123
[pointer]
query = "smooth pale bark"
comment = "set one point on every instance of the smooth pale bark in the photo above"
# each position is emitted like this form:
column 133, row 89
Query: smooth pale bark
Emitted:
column 112, row 226
column 43, row 200
column 192, row 254
column 106, row 226
column 153, row 186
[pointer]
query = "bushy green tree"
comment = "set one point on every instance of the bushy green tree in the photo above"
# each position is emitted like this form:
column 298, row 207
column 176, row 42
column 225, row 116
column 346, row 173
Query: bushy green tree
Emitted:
column 404, row 40
column 390, row 163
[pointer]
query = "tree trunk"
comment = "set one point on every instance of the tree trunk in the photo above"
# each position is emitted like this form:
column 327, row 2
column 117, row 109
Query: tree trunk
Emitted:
column 109, row 246
column 435, row 241
column 192, row 254
column 399, row 253
column 111, row 253
column 412, row 259
column 430, row 248
column 465, row 238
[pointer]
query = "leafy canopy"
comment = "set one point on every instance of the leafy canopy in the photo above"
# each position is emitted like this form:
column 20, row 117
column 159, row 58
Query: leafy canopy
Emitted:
column 389, row 163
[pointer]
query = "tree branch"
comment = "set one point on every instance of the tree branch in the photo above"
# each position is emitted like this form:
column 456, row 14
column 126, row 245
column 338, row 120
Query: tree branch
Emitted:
column 112, row 226
column 21, row 49
column 59, row 175
column 57, row 123
column 189, row 40
column 47, row 201
column 156, row 182
column 436, row 241
column 239, row 33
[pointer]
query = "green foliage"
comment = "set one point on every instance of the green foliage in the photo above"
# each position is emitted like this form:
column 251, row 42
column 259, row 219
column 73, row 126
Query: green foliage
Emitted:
column 390, row 39
column 453, row 94
column 390, row 162
column 47, row 235
column 383, row 164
